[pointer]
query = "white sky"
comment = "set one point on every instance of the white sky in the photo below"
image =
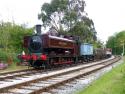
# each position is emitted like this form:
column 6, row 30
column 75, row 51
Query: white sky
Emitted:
column 108, row 15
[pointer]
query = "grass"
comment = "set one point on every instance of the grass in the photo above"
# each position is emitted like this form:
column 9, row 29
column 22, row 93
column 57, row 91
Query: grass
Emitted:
column 13, row 67
column 112, row 82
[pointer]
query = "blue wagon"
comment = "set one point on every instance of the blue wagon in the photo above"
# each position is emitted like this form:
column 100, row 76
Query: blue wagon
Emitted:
column 86, row 52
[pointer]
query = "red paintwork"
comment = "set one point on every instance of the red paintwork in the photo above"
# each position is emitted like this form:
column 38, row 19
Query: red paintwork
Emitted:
column 24, row 57
column 57, row 42
column 43, row 57
column 34, row 57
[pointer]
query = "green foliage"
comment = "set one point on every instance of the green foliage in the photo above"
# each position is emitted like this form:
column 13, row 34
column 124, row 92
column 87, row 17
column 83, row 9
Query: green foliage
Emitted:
column 82, row 30
column 51, row 11
column 98, row 44
column 11, row 39
column 116, row 42
column 68, row 16
column 3, row 55
column 17, row 33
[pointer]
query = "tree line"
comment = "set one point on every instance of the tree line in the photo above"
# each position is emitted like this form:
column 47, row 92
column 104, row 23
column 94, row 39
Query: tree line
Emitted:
column 117, row 42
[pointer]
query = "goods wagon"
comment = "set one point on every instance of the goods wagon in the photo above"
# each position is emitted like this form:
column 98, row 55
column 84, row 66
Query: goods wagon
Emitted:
column 86, row 52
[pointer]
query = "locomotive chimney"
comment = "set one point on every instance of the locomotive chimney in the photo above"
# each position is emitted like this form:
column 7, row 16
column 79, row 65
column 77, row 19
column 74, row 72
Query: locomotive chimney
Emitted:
column 38, row 29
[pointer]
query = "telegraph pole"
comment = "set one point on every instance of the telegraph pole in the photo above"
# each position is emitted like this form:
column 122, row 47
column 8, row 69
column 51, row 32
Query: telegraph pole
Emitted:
column 123, row 48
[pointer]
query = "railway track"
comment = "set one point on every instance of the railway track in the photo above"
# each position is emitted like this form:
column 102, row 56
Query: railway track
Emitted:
column 39, row 83
column 14, row 74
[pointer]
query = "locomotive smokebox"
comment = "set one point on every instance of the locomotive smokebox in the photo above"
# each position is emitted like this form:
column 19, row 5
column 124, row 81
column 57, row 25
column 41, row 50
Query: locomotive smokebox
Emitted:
column 38, row 29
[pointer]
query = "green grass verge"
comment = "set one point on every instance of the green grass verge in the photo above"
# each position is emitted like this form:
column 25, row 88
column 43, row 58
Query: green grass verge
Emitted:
column 13, row 67
column 112, row 82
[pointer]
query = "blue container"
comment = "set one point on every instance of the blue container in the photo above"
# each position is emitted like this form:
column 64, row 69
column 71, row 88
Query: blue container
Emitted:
column 86, row 49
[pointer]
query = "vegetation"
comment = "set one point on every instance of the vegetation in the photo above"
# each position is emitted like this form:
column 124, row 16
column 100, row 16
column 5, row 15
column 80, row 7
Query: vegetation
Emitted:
column 13, row 67
column 116, row 42
column 11, row 39
column 112, row 82
column 63, row 16
column 68, row 17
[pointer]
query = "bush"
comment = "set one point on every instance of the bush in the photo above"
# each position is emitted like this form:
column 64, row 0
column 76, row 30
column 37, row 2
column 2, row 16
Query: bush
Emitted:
column 3, row 55
column 8, row 56
column 11, row 39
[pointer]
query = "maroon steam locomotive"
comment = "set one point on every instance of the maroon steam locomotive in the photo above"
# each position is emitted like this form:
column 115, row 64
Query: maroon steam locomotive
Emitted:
column 44, row 50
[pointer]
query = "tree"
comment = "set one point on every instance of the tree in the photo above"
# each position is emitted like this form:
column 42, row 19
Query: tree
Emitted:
column 116, row 42
column 11, row 39
column 67, row 15
column 52, row 14
column 4, row 34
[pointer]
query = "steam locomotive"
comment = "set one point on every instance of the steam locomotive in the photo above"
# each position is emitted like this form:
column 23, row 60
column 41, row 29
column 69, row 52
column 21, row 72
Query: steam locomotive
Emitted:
column 45, row 50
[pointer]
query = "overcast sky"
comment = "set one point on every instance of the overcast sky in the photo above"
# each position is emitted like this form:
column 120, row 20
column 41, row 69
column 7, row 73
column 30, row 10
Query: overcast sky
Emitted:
column 108, row 15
